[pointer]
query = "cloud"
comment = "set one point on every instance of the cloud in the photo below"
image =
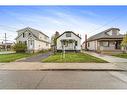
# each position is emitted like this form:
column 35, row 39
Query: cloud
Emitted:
column 55, row 20
column 61, row 22
column 90, row 13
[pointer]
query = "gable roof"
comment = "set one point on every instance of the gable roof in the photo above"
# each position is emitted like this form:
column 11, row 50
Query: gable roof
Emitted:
column 104, row 34
column 68, row 32
column 29, row 29
column 32, row 29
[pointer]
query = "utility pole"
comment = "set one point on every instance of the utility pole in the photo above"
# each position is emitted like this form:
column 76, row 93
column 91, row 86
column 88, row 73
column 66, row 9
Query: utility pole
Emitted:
column 5, row 42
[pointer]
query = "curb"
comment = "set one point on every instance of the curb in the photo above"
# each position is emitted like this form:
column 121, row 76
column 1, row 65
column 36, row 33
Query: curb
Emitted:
column 120, row 70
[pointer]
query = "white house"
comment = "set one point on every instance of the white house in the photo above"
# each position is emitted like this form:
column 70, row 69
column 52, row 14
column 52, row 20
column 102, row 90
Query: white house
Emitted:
column 69, row 41
column 108, row 40
column 34, row 39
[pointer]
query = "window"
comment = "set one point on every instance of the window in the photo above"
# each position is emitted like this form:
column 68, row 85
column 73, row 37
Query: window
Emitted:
column 88, row 44
column 31, row 42
column 106, row 44
column 76, row 43
column 63, row 42
column 20, row 42
column 23, row 35
column 68, row 34
column 29, row 33
column 47, row 44
column 25, row 42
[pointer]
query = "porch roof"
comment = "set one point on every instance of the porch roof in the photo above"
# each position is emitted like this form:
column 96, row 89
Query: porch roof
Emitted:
column 67, row 39
column 110, row 39
column 104, row 35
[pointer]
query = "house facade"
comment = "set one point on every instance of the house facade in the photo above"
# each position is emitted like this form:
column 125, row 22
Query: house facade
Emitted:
column 108, row 40
column 69, row 41
column 34, row 39
column 7, row 46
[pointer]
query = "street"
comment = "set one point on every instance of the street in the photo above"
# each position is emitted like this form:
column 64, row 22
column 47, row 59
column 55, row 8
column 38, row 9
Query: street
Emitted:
column 63, row 79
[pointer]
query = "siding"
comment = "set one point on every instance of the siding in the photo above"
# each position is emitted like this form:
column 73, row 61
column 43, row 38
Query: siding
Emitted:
column 41, row 45
column 92, row 45
column 59, row 46
column 38, row 45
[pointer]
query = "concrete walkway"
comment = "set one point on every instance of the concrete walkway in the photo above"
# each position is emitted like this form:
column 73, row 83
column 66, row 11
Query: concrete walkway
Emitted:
column 111, row 59
column 36, row 58
column 60, row 66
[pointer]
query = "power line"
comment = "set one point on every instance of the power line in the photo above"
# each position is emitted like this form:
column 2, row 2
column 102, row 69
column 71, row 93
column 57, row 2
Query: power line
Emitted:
column 107, row 23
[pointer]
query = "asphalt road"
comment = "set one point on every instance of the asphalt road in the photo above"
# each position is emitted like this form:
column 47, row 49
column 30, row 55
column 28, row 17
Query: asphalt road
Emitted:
column 36, row 58
column 63, row 80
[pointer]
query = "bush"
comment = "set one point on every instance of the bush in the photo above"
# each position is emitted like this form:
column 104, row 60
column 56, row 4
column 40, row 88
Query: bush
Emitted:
column 44, row 51
column 20, row 47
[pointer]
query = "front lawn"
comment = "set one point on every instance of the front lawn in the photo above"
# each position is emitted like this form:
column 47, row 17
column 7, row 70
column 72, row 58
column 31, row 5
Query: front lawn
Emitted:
column 122, row 55
column 73, row 58
column 13, row 57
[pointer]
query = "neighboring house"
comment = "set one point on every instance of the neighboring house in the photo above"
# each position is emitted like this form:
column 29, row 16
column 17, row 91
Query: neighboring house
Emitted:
column 34, row 39
column 7, row 46
column 108, row 40
column 69, row 41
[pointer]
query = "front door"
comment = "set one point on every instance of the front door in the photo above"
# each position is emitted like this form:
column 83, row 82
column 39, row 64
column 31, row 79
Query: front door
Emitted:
column 31, row 44
column 70, row 46
column 117, row 45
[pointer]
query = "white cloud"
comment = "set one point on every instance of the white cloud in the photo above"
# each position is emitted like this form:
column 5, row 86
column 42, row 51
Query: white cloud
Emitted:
column 61, row 22
column 90, row 13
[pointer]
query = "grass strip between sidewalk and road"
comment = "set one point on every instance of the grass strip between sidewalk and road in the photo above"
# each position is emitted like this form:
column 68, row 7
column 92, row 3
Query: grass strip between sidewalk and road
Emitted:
column 73, row 58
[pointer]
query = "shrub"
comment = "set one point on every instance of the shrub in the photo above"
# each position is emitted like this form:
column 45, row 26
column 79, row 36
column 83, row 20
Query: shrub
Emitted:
column 44, row 50
column 41, row 51
column 20, row 47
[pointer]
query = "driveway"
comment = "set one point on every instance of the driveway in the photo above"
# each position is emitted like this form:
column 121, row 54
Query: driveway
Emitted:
column 111, row 59
column 36, row 58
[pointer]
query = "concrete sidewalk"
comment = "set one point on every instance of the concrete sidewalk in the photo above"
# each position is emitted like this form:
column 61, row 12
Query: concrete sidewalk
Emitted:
column 60, row 66
column 111, row 59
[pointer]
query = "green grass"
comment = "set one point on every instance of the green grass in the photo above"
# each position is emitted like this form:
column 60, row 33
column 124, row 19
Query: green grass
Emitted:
column 73, row 58
column 122, row 55
column 13, row 57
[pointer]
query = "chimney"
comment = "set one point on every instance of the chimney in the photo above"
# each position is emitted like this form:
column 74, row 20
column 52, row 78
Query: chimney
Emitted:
column 85, row 41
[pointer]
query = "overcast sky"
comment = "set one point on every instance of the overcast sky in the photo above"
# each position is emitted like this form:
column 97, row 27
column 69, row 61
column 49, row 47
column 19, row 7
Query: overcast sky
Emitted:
column 79, row 19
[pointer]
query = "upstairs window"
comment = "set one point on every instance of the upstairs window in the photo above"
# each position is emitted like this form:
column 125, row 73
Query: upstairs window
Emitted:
column 23, row 35
column 68, row 34
column 29, row 34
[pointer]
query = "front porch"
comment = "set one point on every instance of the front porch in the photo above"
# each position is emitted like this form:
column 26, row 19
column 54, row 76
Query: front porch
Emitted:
column 109, row 46
column 69, row 45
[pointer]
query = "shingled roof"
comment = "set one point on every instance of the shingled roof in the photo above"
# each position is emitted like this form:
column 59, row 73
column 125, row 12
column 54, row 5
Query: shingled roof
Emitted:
column 32, row 29
column 68, row 32
column 104, row 34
